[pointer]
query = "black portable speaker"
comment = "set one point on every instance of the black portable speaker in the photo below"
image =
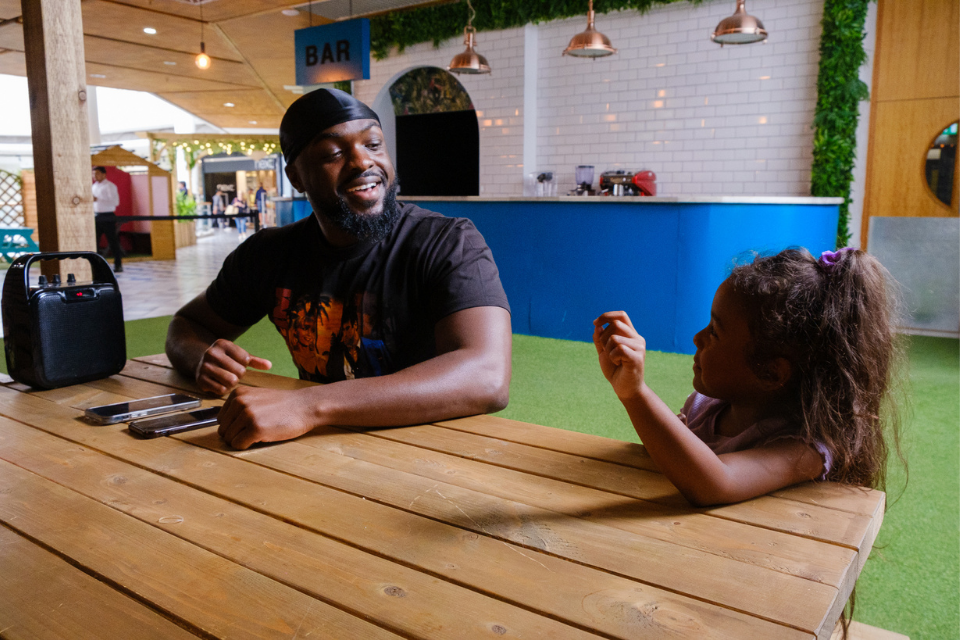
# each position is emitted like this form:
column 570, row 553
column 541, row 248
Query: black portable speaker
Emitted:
column 57, row 335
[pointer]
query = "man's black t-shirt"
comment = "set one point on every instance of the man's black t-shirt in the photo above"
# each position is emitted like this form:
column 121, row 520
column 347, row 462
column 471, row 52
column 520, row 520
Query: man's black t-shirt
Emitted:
column 368, row 309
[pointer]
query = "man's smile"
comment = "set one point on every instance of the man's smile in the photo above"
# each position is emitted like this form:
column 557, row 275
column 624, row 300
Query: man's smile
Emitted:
column 367, row 188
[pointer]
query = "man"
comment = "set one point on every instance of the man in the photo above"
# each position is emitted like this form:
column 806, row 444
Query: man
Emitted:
column 422, row 289
column 106, row 199
column 260, row 203
column 218, row 205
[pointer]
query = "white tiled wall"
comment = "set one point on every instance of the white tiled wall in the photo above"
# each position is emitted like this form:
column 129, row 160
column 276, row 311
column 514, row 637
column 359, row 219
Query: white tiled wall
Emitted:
column 497, row 97
column 706, row 120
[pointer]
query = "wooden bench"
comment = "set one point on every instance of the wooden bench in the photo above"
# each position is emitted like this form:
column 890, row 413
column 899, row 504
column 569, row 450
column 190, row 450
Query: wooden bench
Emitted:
column 15, row 241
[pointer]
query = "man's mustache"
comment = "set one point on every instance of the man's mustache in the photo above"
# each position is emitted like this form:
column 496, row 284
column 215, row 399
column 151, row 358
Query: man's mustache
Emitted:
column 369, row 173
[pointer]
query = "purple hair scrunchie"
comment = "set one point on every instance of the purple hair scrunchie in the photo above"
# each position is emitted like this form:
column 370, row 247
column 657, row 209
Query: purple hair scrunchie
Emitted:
column 828, row 259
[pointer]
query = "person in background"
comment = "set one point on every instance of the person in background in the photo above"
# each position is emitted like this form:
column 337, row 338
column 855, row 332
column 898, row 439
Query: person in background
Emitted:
column 183, row 188
column 261, row 204
column 106, row 199
column 240, row 202
column 218, row 205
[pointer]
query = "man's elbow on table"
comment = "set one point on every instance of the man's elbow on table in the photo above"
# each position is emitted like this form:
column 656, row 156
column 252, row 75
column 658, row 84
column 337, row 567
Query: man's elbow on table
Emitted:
column 493, row 387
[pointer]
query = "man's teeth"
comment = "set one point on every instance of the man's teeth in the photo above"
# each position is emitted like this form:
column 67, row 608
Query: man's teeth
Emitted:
column 362, row 187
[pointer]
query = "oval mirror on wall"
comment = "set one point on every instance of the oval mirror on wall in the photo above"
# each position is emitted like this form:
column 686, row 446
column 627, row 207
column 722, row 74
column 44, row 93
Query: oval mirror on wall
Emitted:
column 941, row 165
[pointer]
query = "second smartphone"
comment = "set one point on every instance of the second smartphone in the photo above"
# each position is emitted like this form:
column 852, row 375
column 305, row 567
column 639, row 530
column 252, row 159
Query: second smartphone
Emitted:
column 126, row 411
column 166, row 425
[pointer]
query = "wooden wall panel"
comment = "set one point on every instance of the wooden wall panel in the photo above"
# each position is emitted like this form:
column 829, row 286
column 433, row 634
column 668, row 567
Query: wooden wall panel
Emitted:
column 903, row 132
column 915, row 95
column 918, row 52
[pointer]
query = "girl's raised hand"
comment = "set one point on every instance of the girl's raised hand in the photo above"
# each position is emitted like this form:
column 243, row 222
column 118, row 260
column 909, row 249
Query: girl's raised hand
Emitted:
column 621, row 350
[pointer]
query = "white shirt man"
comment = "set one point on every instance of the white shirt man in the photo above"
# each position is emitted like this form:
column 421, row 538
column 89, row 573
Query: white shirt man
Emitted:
column 106, row 199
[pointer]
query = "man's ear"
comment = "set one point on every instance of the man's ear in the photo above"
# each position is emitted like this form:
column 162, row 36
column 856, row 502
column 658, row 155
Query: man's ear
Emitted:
column 294, row 176
column 777, row 374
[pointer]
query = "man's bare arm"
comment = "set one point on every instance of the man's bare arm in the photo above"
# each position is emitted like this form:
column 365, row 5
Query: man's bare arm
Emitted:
column 200, row 345
column 469, row 375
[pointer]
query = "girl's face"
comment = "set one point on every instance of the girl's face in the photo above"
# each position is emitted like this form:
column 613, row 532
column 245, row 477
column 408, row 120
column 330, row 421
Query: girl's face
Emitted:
column 720, row 367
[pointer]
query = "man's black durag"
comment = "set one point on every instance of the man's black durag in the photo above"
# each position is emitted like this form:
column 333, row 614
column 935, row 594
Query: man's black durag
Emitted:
column 315, row 112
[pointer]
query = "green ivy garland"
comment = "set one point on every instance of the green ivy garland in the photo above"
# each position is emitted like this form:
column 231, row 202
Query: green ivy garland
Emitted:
column 438, row 23
column 194, row 149
column 839, row 89
column 839, row 93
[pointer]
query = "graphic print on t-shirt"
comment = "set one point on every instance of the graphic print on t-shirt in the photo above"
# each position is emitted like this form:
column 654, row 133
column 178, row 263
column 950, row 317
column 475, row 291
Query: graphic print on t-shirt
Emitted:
column 331, row 339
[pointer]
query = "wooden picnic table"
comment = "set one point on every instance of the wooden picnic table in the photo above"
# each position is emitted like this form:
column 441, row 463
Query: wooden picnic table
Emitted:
column 473, row 528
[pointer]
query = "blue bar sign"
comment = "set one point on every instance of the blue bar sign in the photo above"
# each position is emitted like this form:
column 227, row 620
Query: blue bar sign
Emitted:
column 333, row 52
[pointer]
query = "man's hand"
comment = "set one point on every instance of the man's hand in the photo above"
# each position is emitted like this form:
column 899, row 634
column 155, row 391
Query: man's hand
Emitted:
column 252, row 415
column 223, row 365
column 622, row 351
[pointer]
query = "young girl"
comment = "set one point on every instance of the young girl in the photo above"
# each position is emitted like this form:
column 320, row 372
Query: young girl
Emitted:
column 789, row 378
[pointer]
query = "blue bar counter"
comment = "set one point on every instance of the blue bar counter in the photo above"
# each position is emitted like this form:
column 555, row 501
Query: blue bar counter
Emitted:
column 564, row 261
column 291, row 209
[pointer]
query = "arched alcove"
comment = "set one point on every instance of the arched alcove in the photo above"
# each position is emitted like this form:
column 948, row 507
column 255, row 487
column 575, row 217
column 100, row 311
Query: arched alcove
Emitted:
column 431, row 132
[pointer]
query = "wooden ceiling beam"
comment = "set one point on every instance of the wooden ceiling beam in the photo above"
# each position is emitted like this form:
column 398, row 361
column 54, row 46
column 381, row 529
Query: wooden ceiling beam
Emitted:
column 280, row 106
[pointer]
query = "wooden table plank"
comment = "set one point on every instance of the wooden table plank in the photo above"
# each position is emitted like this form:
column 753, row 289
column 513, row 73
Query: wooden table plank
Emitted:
column 649, row 560
column 407, row 601
column 42, row 597
column 818, row 523
column 177, row 577
column 853, row 499
column 617, row 606
column 774, row 550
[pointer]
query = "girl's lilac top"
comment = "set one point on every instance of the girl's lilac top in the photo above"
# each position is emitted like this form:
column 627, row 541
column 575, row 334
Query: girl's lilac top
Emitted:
column 700, row 413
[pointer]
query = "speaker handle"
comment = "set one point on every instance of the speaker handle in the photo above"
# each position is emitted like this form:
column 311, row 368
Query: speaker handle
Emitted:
column 101, row 270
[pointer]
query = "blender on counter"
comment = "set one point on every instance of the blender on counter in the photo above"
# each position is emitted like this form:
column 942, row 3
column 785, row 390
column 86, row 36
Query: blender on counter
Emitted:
column 584, row 178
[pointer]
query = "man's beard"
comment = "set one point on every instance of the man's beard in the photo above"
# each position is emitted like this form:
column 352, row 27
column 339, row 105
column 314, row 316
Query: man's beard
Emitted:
column 366, row 227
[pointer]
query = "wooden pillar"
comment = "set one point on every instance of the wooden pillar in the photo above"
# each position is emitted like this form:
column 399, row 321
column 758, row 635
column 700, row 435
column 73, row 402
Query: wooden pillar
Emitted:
column 56, row 78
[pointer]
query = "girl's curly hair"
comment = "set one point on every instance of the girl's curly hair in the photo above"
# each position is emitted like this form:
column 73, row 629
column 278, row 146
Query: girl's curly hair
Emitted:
column 835, row 322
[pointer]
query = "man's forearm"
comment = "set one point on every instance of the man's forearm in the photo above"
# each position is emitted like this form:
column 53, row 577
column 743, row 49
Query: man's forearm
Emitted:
column 186, row 344
column 448, row 386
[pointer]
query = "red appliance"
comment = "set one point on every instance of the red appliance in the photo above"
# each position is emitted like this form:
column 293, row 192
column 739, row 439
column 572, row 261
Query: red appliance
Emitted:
column 646, row 183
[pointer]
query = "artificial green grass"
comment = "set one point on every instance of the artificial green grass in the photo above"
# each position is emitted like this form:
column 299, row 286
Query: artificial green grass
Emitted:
column 911, row 583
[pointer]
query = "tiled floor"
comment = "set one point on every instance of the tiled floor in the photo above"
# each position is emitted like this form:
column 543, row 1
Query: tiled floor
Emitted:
column 154, row 288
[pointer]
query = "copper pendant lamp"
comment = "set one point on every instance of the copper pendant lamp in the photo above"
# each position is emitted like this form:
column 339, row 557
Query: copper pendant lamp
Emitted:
column 740, row 28
column 590, row 43
column 469, row 61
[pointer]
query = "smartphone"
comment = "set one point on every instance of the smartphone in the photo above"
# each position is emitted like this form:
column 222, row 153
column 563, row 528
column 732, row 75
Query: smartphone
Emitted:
column 126, row 411
column 165, row 425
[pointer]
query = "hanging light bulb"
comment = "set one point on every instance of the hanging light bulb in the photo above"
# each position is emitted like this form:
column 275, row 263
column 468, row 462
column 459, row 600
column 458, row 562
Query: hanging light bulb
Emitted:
column 469, row 61
column 590, row 43
column 202, row 60
column 740, row 28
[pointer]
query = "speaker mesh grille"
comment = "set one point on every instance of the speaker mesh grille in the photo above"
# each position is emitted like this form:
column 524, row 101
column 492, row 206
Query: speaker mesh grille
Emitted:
column 80, row 339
